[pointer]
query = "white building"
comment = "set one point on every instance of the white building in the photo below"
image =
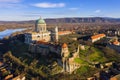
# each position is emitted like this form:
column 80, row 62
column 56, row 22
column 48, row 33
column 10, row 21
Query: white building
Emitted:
column 41, row 33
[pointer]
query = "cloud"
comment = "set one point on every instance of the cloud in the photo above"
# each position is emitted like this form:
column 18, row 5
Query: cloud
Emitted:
column 13, row 4
column 9, row 1
column 97, row 11
column 49, row 5
column 73, row 9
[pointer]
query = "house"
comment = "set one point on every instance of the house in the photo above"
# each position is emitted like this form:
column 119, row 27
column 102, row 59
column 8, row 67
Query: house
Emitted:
column 60, row 33
column 1, row 64
column 97, row 37
column 8, row 77
column 117, row 77
column 91, row 78
column 116, row 42
column 19, row 77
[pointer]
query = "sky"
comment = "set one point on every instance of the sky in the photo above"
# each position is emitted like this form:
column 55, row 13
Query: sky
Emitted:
column 19, row 10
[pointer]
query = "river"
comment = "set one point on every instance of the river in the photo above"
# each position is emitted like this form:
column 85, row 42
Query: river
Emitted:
column 8, row 32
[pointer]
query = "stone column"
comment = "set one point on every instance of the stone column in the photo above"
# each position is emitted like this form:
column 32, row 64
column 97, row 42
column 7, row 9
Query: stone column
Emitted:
column 70, row 67
column 63, row 65
column 67, row 66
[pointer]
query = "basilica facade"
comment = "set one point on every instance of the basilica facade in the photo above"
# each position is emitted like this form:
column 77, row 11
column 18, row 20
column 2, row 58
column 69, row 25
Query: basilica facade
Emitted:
column 41, row 33
column 40, row 43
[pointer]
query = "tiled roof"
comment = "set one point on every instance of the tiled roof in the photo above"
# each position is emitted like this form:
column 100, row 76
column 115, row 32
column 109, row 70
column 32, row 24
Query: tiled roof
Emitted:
column 64, row 32
column 42, row 42
column 19, row 77
column 64, row 45
column 1, row 63
column 97, row 36
column 47, row 43
column 117, row 77
column 116, row 42
column 9, row 77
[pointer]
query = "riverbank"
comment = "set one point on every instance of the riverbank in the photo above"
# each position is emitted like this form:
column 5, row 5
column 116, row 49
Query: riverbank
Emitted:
column 15, row 25
column 2, row 29
column 8, row 32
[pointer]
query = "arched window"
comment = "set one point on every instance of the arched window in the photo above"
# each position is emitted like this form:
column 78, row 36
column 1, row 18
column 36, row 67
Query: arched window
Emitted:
column 38, row 36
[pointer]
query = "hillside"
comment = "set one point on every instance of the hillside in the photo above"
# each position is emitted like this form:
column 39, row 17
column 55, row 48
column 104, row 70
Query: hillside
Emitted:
column 70, row 20
column 83, row 20
column 66, row 23
column 42, row 67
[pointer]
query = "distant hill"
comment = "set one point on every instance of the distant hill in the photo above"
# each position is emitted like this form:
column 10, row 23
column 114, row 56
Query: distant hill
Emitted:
column 84, row 20
column 70, row 20
column 17, row 22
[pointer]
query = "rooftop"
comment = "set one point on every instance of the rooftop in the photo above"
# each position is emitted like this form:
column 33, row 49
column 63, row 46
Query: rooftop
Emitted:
column 64, row 45
column 116, row 42
column 40, row 21
column 64, row 32
column 97, row 36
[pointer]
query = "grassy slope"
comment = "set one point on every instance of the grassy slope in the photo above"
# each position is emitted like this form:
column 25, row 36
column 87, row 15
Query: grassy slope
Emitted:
column 89, row 55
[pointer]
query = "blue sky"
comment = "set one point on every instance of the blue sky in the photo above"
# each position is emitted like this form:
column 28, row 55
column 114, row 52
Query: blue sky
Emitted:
column 17, row 10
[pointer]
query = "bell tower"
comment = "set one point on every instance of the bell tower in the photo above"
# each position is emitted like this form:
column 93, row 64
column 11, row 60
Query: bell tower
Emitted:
column 65, row 57
column 56, row 34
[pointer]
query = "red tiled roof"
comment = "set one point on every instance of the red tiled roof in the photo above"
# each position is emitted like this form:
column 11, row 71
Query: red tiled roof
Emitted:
column 8, row 77
column 116, row 42
column 117, row 77
column 64, row 32
column 47, row 43
column 42, row 42
column 64, row 45
column 97, row 36
column 1, row 63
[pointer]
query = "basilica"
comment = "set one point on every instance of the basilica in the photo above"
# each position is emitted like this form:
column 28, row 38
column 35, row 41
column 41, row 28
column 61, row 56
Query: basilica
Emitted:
column 41, row 33
column 41, row 42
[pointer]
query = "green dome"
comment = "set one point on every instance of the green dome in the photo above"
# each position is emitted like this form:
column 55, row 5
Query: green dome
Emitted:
column 40, row 21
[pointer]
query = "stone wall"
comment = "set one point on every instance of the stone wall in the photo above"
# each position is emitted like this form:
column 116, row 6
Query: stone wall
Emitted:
column 44, row 49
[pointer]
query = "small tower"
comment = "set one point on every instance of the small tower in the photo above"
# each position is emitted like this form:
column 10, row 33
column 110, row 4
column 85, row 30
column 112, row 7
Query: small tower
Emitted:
column 56, row 34
column 65, row 52
column 78, row 49
column 65, row 57
column 76, row 54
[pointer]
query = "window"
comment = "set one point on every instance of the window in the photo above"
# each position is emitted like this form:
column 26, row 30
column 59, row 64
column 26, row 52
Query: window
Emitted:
column 38, row 36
